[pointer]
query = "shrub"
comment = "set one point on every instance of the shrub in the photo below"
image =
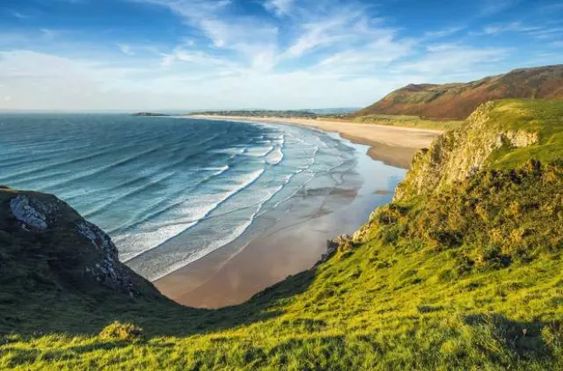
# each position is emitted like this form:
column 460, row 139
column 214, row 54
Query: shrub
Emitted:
column 121, row 331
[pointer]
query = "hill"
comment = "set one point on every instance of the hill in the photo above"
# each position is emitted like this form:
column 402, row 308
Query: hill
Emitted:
column 456, row 101
column 149, row 114
column 462, row 270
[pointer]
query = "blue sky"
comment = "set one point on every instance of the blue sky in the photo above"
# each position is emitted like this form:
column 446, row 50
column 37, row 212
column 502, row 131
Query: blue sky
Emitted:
column 278, row 54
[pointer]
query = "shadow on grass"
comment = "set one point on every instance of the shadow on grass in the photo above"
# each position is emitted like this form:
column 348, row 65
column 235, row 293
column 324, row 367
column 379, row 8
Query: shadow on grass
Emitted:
column 523, row 339
column 18, row 356
column 79, row 314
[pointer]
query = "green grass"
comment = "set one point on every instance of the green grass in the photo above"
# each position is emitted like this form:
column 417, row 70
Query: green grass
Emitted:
column 409, row 121
column 372, row 308
column 543, row 117
column 466, row 278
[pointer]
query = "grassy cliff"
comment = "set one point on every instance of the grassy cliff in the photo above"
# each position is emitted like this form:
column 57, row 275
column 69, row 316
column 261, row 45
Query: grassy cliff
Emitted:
column 462, row 270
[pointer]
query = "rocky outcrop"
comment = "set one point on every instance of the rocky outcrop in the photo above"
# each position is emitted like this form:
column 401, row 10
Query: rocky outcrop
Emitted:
column 458, row 154
column 30, row 215
column 39, row 228
column 341, row 243
column 519, row 138
column 108, row 271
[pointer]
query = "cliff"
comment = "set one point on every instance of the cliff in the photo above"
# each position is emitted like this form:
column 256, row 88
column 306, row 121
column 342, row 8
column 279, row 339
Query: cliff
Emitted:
column 497, row 134
column 458, row 100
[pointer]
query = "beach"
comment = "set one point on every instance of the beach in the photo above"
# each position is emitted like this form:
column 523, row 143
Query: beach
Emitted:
column 234, row 273
column 391, row 144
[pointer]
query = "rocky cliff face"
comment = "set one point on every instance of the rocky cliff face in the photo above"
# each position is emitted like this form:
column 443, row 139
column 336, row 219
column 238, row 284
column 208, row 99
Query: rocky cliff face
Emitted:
column 457, row 101
column 41, row 236
column 500, row 147
column 458, row 154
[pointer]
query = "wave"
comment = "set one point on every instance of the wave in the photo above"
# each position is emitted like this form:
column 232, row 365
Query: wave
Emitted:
column 90, row 173
column 56, row 174
column 102, row 150
column 169, row 166
column 58, row 164
column 275, row 156
column 233, row 153
column 181, row 257
column 259, row 151
column 199, row 207
column 198, row 254
column 140, row 220
column 121, row 197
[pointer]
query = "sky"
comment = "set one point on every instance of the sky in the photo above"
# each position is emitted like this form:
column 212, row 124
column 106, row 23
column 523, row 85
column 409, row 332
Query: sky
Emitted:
column 81, row 55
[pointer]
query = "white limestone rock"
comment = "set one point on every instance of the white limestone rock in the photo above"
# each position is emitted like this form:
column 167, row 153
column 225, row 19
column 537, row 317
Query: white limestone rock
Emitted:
column 27, row 214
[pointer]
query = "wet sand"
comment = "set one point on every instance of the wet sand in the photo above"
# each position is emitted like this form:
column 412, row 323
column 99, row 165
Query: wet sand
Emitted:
column 225, row 277
column 393, row 145
column 231, row 275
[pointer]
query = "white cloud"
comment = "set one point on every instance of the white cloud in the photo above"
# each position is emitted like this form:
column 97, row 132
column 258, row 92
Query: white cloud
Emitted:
column 443, row 32
column 332, row 54
column 508, row 27
column 543, row 32
column 320, row 33
column 491, row 7
column 126, row 49
column 20, row 15
column 196, row 57
column 44, row 81
column 279, row 7
column 252, row 38
column 448, row 62
column 50, row 34
column 547, row 33
column 371, row 58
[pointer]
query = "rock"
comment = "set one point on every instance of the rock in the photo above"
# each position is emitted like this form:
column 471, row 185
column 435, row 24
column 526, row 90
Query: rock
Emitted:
column 342, row 243
column 460, row 153
column 43, row 233
column 520, row 138
column 24, row 212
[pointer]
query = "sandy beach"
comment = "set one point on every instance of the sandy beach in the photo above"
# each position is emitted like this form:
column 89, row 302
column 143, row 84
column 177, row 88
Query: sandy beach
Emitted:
column 393, row 145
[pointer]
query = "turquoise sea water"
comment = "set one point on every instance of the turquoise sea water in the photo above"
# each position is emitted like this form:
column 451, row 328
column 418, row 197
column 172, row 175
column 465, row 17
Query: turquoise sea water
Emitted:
column 171, row 190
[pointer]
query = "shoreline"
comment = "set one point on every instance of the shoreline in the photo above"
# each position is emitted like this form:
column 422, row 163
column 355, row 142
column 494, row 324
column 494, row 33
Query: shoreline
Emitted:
column 232, row 274
column 393, row 145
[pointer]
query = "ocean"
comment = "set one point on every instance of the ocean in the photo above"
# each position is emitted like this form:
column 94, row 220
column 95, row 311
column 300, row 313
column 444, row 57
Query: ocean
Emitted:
column 172, row 190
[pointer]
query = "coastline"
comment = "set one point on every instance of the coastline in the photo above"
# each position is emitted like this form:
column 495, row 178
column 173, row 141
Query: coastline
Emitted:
column 393, row 145
column 234, row 273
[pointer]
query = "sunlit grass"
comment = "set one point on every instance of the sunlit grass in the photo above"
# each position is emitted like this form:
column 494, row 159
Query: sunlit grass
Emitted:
column 409, row 121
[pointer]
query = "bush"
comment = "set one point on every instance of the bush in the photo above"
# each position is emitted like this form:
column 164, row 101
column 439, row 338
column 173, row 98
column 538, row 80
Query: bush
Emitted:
column 121, row 331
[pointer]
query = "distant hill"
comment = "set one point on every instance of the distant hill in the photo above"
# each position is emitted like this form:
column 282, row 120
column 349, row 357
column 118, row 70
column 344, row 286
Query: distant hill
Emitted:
column 261, row 113
column 149, row 114
column 458, row 100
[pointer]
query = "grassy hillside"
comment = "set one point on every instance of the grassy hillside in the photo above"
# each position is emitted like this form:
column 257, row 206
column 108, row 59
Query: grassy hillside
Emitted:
column 456, row 101
column 408, row 121
column 462, row 270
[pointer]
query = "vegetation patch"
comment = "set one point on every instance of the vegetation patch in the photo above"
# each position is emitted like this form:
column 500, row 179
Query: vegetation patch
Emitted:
column 121, row 331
